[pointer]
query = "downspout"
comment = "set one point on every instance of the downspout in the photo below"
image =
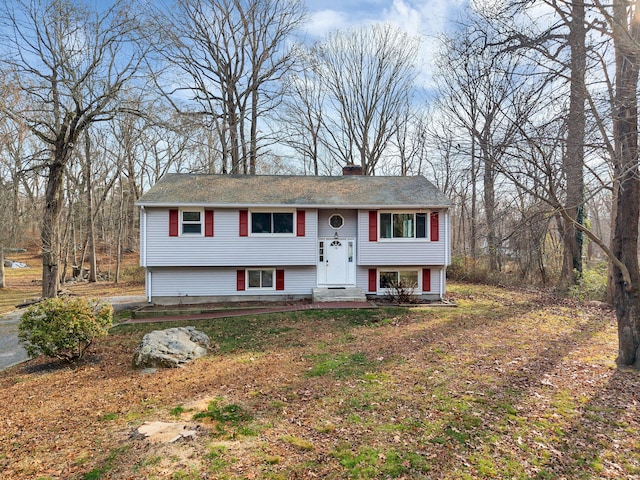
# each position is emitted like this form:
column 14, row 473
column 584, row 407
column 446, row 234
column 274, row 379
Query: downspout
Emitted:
column 149, row 286
column 143, row 252
column 143, row 237
column 447, row 256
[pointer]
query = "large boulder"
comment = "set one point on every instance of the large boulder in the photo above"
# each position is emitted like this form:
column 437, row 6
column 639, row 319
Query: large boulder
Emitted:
column 172, row 347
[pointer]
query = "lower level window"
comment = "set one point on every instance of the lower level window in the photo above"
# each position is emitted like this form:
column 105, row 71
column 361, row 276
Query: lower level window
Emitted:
column 260, row 278
column 395, row 278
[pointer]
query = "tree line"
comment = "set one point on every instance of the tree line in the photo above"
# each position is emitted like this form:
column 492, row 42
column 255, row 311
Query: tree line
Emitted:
column 528, row 122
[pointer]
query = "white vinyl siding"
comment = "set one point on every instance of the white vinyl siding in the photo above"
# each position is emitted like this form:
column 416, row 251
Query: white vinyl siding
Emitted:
column 227, row 248
column 348, row 230
column 220, row 282
column 399, row 251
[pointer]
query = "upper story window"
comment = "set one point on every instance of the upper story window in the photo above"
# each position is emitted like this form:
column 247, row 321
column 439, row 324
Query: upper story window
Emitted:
column 403, row 225
column 272, row 222
column 191, row 222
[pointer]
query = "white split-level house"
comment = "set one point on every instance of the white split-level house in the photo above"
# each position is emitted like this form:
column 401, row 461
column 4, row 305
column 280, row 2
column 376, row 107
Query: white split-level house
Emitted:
column 208, row 238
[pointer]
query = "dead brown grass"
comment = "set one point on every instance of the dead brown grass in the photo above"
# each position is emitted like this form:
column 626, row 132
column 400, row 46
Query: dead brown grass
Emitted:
column 24, row 284
column 511, row 384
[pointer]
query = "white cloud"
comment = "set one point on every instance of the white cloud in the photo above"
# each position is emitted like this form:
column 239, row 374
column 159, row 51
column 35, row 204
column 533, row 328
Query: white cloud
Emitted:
column 424, row 18
column 322, row 22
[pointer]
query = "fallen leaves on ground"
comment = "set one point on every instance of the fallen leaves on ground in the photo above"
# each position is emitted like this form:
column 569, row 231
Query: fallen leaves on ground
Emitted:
column 511, row 384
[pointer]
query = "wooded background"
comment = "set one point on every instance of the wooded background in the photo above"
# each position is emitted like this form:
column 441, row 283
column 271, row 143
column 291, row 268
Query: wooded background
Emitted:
column 516, row 124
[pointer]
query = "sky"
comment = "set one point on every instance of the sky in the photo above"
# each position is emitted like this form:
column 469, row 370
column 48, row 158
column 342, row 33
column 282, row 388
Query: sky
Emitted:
column 425, row 18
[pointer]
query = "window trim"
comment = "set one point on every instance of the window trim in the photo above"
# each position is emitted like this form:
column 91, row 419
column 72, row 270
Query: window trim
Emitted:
column 271, row 211
column 418, row 288
column 336, row 215
column 427, row 229
column 273, row 277
column 181, row 222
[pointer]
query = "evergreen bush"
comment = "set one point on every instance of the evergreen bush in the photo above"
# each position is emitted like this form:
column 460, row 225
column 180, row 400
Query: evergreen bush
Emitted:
column 64, row 328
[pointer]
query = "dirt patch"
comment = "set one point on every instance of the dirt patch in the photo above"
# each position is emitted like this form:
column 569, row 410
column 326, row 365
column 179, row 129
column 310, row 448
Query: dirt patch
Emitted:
column 167, row 432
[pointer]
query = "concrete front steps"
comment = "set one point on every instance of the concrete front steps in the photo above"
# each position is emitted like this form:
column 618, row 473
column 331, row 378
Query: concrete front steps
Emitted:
column 342, row 294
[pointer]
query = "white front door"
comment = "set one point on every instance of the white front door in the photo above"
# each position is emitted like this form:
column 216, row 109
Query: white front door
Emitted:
column 336, row 262
column 336, row 265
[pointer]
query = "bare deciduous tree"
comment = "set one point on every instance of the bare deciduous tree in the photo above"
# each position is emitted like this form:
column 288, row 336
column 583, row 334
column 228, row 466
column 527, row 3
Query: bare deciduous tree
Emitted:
column 303, row 114
column 234, row 54
column 71, row 64
column 624, row 21
column 368, row 73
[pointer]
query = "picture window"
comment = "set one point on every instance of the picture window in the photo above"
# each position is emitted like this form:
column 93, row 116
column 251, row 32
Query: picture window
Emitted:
column 272, row 222
column 403, row 225
column 393, row 278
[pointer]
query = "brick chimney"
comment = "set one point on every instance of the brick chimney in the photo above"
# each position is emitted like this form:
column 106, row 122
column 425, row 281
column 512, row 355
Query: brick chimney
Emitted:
column 352, row 170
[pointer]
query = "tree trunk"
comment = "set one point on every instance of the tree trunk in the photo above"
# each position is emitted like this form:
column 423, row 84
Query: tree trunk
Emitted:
column 573, row 160
column 611, row 283
column 2, row 284
column 490, row 207
column 474, row 200
column 625, row 129
column 253, row 147
column 121, row 215
column 50, row 235
column 91, row 243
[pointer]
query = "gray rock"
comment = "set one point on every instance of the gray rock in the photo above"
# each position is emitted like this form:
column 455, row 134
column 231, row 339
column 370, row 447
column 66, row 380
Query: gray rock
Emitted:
column 172, row 347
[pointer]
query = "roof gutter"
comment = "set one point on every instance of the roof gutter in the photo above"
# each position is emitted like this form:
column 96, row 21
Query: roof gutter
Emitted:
column 285, row 205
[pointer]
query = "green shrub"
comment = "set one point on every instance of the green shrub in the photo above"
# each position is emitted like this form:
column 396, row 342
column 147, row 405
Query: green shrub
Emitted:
column 592, row 285
column 63, row 328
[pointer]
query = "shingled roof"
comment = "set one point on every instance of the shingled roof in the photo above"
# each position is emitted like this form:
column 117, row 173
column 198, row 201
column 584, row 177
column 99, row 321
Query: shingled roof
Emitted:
column 179, row 189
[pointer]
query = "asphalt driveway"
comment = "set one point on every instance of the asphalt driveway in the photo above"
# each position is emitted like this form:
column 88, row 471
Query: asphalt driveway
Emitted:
column 12, row 353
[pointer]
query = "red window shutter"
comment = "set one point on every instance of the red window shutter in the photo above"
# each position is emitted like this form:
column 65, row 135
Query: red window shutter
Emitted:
column 434, row 226
column 244, row 223
column 373, row 280
column 300, row 222
column 426, row 279
column 373, row 226
column 208, row 223
column 279, row 279
column 173, row 223
column 240, row 280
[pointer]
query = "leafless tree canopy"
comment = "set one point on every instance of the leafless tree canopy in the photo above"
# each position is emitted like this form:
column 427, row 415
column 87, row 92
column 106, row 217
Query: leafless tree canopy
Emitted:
column 232, row 54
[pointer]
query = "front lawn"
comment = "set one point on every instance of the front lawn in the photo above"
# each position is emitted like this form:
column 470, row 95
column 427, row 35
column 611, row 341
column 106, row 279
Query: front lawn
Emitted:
column 511, row 384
